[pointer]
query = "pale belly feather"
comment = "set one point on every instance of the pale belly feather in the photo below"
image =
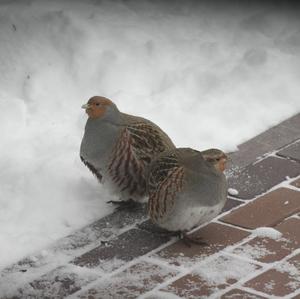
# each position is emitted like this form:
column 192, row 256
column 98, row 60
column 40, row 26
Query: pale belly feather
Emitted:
column 189, row 217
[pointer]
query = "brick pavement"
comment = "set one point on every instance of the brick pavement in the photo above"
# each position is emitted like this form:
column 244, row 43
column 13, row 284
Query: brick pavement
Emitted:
column 124, row 256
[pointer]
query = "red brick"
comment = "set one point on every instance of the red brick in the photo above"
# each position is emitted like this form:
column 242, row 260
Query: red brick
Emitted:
column 193, row 286
column 230, row 204
column 267, row 210
column 211, row 277
column 296, row 183
column 127, row 246
column 277, row 136
column 294, row 124
column 247, row 153
column 217, row 237
column 279, row 281
column 292, row 151
column 269, row 250
column 130, row 283
column 258, row 178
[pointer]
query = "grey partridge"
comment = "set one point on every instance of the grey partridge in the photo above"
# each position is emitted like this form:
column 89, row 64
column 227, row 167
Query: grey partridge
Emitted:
column 118, row 148
column 186, row 188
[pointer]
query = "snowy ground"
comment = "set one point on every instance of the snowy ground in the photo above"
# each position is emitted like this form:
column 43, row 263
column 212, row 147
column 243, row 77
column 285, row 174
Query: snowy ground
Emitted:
column 210, row 76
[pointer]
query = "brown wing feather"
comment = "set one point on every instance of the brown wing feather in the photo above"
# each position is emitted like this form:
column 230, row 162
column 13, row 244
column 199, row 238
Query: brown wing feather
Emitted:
column 137, row 146
column 166, row 179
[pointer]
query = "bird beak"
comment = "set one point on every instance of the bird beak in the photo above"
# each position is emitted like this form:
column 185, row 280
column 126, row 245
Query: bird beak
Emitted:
column 85, row 106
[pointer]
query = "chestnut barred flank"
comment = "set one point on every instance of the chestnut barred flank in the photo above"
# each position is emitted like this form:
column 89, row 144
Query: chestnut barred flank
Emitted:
column 137, row 146
column 165, row 181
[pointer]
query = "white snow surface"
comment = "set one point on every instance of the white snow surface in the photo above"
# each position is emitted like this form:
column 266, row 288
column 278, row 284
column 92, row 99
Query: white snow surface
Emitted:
column 223, row 268
column 232, row 191
column 210, row 76
column 268, row 232
column 252, row 251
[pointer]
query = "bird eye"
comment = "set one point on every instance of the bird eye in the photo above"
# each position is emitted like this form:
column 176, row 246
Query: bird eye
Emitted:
column 97, row 104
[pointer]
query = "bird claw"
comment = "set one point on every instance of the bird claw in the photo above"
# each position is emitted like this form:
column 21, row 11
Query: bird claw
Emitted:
column 188, row 241
column 129, row 205
column 153, row 229
column 105, row 243
column 115, row 202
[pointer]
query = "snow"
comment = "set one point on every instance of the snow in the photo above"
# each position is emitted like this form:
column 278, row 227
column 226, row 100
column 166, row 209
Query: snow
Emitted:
column 232, row 191
column 270, row 286
column 223, row 269
column 256, row 251
column 259, row 249
column 43, row 289
column 292, row 269
column 129, row 283
column 207, row 75
column 268, row 232
column 160, row 295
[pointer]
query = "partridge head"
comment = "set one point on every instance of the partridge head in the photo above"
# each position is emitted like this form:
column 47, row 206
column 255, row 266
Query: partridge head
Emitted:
column 216, row 157
column 100, row 107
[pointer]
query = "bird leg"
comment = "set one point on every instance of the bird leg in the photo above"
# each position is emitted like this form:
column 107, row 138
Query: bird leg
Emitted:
column 156, row 230
column 129, row 204
column 188, row 240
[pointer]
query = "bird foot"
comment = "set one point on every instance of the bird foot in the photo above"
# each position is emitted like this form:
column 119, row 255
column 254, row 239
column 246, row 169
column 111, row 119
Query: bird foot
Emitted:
column 129, row 205
column 105, row 243
column 115, row 202
column 188, row 241
column 156, row 230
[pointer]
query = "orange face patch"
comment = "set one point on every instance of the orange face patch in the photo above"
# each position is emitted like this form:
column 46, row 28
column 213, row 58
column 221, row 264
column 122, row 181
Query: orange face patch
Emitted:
column 222, row 164
column 96, row 106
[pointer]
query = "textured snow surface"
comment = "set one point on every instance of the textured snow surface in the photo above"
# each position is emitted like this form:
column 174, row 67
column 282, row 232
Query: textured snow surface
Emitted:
column 223, row 268
column 252, row 251
column 210, row 76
